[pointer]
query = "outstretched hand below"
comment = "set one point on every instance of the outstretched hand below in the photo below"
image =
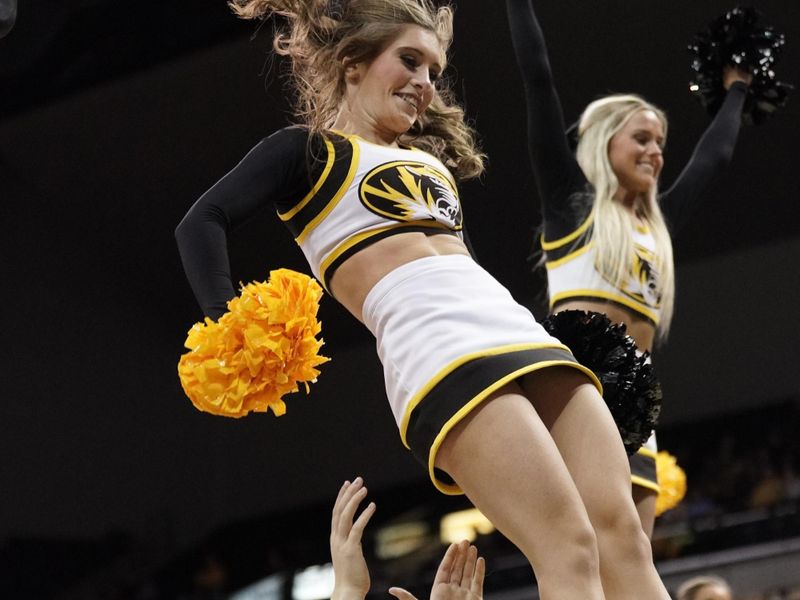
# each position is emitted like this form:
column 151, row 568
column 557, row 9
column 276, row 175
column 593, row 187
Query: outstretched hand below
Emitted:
column 349, row 566
column 460, row 576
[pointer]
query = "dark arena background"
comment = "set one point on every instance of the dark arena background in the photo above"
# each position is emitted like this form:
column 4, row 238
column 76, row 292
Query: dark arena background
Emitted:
column 115, row 116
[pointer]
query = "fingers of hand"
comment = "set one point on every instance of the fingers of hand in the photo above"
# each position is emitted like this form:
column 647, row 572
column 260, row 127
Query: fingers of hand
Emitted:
column 337, row 506
column 443, row 573
column 477, row 579
column 350, row 497
column 457, row 570
column 358, row 527
column 355, row 493
column 471, row 557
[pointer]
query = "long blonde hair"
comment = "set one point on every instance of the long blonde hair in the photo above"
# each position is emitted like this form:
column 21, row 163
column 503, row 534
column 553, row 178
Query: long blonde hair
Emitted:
column 611, row 225
column 322, row 34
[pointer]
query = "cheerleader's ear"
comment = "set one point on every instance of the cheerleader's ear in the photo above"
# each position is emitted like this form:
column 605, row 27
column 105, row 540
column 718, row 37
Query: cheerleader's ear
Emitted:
column 353, row 71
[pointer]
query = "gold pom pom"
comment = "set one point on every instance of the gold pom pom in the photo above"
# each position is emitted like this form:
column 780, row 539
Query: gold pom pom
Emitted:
column 258, row 351
column 671, row 480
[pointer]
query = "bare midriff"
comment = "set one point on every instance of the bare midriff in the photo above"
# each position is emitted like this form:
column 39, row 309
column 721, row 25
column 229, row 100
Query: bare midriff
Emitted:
column 638, row 327
column 355, row 278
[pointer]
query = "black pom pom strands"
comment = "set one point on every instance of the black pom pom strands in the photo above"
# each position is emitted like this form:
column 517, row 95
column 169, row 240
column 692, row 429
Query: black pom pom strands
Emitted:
column 738, row 39
column 630, row 386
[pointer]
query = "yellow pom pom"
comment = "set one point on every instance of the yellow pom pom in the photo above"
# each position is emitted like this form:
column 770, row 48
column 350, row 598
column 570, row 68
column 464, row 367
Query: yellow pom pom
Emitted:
column 671, row 480
column 258, row 351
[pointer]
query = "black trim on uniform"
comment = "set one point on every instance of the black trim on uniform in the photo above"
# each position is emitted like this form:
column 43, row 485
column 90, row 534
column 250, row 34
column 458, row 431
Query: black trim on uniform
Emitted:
column 399, row 228
column 459, row 387
column 579, row 242
column 644, row 466
column 342, row 161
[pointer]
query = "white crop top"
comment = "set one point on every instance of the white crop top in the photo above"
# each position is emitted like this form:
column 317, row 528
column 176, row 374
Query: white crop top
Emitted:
column 367, row 192
column 572, row 273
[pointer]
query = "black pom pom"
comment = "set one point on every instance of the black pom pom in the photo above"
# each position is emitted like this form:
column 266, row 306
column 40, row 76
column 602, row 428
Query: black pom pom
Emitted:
column 738, row 39
column 630, row 385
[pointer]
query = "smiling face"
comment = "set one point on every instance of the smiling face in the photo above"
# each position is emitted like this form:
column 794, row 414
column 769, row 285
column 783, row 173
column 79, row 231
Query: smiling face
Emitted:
column 635, row 153
column 385, row 96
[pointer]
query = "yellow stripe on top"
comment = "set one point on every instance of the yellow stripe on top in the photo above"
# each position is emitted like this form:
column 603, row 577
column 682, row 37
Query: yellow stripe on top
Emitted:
column 654, row 317
column 328, row 166
column 568, row 238
column 336, row 198
column 560, row 261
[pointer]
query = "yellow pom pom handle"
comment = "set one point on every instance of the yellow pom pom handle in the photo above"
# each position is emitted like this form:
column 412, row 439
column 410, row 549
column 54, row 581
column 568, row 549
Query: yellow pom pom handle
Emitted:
column 258, row 351
column 671, row 481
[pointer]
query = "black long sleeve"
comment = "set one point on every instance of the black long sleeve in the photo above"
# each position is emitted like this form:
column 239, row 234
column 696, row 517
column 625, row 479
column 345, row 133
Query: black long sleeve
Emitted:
column 712, row 154
column 558, row 175
column 274, row 173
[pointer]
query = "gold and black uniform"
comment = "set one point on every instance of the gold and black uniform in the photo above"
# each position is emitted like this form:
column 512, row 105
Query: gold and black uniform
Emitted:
column 447, row 333
column 567, row 197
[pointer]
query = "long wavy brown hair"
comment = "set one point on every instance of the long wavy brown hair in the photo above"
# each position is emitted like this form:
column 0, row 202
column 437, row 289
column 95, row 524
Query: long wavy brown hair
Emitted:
column 321, row 37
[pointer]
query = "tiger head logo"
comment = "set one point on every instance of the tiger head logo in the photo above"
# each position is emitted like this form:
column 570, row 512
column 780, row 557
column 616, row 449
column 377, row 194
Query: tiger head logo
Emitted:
column 411, row 191
column 642, row 281
column 643, row 285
